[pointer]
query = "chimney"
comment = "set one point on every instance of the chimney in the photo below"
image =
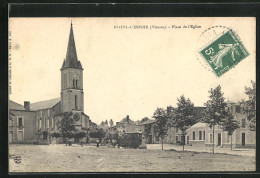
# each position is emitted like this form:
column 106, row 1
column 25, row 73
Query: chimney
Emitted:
column 127, row 118
column 27, row 105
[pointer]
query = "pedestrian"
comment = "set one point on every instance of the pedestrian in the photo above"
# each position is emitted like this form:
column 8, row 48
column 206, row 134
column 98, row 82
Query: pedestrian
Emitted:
column 97, row 142
column 81, row 143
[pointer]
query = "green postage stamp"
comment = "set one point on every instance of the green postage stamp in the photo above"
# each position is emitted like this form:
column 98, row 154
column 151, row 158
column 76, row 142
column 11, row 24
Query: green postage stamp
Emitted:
column 224, row 53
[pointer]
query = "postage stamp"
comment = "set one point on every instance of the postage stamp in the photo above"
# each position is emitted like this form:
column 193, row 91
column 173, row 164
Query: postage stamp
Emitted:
column 224, row 53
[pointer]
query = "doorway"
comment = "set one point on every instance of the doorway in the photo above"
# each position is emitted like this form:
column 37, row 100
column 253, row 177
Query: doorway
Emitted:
column 183, row 140
column 150, row 139
column 20, row 135
column 243, row 139
column 219, row 139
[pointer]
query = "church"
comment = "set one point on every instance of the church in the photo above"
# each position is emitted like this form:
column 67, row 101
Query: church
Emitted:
column 25, row 121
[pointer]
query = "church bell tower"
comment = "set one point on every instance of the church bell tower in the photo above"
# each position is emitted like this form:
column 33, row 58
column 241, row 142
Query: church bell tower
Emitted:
column 72, row 95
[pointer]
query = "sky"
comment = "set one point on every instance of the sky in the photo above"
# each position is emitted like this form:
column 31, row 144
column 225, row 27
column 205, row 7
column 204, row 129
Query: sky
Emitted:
column 126, row 71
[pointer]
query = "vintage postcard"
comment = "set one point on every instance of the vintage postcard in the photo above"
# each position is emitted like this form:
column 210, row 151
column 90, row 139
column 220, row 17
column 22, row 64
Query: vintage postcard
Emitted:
column 132, row 94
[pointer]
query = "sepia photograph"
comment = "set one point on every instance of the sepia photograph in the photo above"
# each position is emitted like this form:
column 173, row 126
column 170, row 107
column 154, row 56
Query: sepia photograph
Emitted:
column 132, row 94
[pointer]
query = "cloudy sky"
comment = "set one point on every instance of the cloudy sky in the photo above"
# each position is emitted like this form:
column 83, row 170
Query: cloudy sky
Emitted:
column 126, row 71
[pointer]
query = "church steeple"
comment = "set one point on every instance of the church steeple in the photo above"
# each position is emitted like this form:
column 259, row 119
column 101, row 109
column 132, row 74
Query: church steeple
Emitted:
column 71, row 50
column 72, row 94
column 71, row 60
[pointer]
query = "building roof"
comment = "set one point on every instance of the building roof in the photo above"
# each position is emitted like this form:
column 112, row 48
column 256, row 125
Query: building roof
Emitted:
column 44, row 104
column 126, row 120
column 198, row 125
column 92, row 123
column 14, row 105
column 150, row 121
column 71, row 60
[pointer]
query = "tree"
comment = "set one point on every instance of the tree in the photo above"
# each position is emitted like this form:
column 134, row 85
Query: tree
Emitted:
column 144, row 119
column 38, row 135
column 184, row 116
column 249, row 106
column 66, row 125
column 98, row 133
column 160, row 116
column 230, row 125
column 215, row 109
column 79, row 134
column 56, row 134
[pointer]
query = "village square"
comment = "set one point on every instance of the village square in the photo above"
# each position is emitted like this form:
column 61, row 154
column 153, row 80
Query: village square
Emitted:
column 57, row 135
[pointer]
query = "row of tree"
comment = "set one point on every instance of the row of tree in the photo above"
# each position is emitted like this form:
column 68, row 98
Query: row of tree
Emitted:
column 67, row 129
column 215, row 113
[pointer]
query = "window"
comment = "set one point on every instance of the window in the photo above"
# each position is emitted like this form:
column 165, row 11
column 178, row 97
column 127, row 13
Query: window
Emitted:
column 243, row 123
column 200, row 135
column 176, row 138
column 52, row 122
column 194, row 135
column 48, row 123
column 76, row 83
column 227, row 138
column 73, row 83
column 210, row 138
column 40, row 123
column 237, row 109
column 20, row 121
column 231, row 109
column 177, row 130
column 203, row 135
column 76, row 102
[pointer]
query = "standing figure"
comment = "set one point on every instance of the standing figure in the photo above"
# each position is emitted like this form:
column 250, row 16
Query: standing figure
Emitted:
column 97, row 142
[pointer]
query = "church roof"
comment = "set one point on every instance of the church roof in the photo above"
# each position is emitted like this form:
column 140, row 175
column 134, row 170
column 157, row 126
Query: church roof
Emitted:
column 14, row 105
column 44, row 104
column 71, row 60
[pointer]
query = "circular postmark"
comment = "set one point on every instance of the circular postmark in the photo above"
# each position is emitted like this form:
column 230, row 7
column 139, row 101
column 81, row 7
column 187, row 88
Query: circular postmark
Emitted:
column 220, row 49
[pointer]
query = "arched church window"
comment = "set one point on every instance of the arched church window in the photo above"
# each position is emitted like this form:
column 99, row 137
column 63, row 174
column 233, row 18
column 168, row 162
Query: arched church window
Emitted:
column 76, row 83
column 76, row 102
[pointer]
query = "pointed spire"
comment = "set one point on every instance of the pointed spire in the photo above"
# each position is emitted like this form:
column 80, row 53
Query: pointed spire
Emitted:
column 71, row 57
column 71, row 50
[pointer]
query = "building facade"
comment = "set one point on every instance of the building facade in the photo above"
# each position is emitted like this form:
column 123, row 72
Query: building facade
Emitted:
column 201, row 134
column 28, row 120
column 242, row 137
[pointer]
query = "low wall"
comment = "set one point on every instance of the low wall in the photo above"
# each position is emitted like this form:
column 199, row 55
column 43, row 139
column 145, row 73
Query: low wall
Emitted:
column 197, row 142
column 233, row 145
